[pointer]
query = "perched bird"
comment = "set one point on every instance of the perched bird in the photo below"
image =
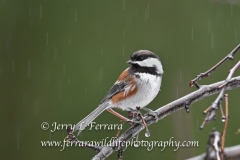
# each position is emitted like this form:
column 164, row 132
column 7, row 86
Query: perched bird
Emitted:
column 134, row 89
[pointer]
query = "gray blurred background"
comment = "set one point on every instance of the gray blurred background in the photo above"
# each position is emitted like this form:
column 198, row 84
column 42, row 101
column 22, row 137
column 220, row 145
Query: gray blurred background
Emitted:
column 59, row 58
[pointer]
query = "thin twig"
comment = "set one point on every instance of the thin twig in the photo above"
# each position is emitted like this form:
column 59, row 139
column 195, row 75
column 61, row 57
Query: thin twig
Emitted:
column 211, row 111
column 217, row 103
column 162, row 112
column 225, row 127
column 231, row 72
column 207, row 73
column 222, row 113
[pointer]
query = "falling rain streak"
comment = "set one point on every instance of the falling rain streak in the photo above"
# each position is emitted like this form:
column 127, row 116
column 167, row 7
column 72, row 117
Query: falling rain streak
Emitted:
column 147, row 13
column 231, row 9
column 123, row 49
column 212, row 40
column 30, row 11
column 18, row 141
column 40, row 11
column 47, row 40
column 192, row 33
column 209, row 26
column 29, row 69
column 13, row 66
column 64, row 69
column 180, row 76
column 177, row 92
column 123, row 4
column 101, row 73
column 236, row 34
column 197, row 125
column 75, row 15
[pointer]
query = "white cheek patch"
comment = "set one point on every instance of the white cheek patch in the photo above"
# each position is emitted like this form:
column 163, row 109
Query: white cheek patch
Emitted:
column 152, row 62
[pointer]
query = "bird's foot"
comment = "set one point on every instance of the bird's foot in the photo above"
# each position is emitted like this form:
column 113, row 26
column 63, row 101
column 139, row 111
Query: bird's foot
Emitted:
column 135, row 120
column 151, row 113
column 134, row 115
column 137, row 115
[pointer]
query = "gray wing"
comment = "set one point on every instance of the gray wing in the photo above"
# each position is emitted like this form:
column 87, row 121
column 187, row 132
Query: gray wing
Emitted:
column 116, row 88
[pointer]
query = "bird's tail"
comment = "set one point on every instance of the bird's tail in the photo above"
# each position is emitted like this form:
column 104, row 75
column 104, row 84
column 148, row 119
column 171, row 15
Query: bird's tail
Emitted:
column 87, row 120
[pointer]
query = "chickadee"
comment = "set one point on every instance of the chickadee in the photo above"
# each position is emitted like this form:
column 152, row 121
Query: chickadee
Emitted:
column 136, row 86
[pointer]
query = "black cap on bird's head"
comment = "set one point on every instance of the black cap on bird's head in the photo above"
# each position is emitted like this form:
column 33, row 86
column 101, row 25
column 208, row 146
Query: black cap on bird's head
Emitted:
column 145, row 58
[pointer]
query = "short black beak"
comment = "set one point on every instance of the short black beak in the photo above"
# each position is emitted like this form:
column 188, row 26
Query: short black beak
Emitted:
column 129, row 62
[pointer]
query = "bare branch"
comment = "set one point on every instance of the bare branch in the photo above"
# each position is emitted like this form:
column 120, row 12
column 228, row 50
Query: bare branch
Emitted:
column 207, row 73
column 231, row 154
column 162, row 112
column 225, row 128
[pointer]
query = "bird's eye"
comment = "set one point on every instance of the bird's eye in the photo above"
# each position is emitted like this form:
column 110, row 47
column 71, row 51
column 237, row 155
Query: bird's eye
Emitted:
column 140, row 58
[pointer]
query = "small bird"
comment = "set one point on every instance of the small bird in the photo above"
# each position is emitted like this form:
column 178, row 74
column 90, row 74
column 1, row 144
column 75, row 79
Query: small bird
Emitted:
column 134, row 89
